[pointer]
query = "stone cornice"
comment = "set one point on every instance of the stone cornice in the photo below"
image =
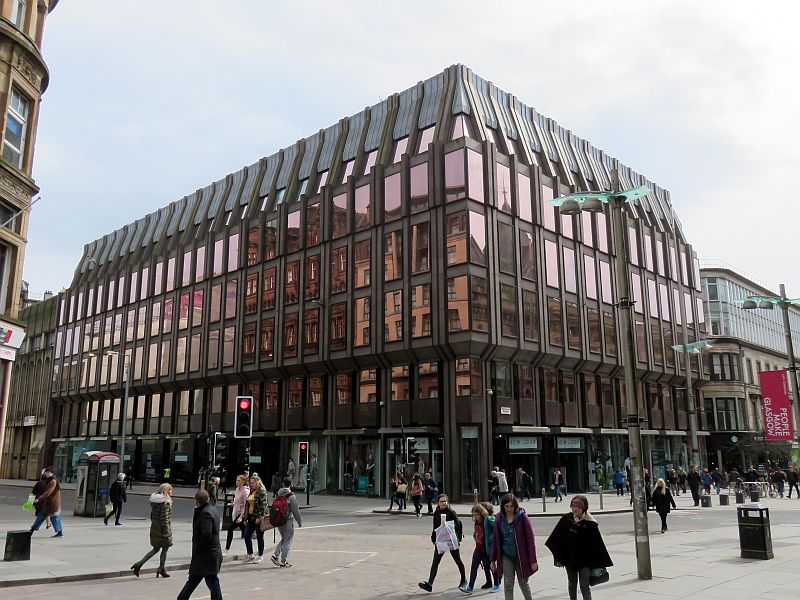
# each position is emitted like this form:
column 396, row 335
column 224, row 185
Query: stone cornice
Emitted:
column 33, row 56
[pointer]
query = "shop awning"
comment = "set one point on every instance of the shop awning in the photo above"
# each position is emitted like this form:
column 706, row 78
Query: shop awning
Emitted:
column 521, row 429
column 358, row 431
column 678, row 433
column 416, row 430
column 573, row 430
column 650, row 432
column 607, row 431
column 306, row 433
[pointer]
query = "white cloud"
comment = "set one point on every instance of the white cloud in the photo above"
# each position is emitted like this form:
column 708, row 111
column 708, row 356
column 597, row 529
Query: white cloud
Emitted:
column 149, row 101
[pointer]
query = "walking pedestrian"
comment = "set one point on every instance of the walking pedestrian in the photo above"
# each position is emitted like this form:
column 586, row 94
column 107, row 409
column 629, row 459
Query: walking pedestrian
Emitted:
column 524, row 483
column 402, row 488
column 222, row 482
column 160, row 529
column 206, row 551
column 793, row 477
column 779, row 479
column 48, row 503
column 619, row 481
column 558, row 483
column 284, row 516
column 682, row 476
column 240, row 496
column 37, row 490
column 494, row 487
column 672, row 478
column 417, row 488
column 201, row 475
column 255, row 511
column 442, row 514
column 213, row 487
column 693, row 479
column 129, row 477
column 502, row 482
column 716, row 479
column 117, row 496
column 662, row 501
column 431, row 488
column 707, row 480
column 513, row 553
column 483, row 523
column 393, row 495
column 577, row 546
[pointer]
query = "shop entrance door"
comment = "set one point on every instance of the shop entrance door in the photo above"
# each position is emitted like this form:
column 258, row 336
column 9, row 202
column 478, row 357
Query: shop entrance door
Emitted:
column 530, row 463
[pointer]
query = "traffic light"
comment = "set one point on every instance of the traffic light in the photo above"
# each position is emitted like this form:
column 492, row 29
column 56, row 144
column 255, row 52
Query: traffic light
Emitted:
column 411, row 451
column 303, row 454
column 243, row 421
column 398, row 448
column 220, row 445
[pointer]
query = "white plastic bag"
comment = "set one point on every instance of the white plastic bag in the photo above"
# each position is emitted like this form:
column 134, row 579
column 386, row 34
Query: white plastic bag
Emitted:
column 446, row 538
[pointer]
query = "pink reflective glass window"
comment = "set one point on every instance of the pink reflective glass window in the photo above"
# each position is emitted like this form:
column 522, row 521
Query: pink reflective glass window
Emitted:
column 676, row 301
column 589, row 277
column 391, row 198
column 455, row 181
column 477, row 238
column 633, row 249
column 605, row 282
column 664, row 296
column 363, row 208
column 475, row 175
column 503, row 188
column 419, row 187
column 200, row 264
column 570, row 278
column 233, row 252
column 636, row 291
column 652, row 298
column 548, row 210
column 460, row 127
column 425, row 138
column 602, row 232
column 551, row 263
column 293, row 231
column 339, row 217
column 399, row 149
column 524, row 206
column 218, row 257
column 567, row 227
column 586, row 228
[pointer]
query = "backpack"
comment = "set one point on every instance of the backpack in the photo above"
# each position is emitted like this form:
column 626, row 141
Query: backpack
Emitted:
column 279, row 511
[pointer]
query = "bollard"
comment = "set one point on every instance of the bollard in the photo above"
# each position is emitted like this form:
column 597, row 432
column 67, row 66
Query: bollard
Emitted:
column 601, row 496
column 475, row 493
column 544, row 500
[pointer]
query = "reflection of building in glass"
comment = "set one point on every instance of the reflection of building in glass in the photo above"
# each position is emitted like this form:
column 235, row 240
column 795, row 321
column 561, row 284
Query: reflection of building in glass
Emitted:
column 420, row 283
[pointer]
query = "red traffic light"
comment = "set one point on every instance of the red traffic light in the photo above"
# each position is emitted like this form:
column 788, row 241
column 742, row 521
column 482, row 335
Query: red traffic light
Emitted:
column 244, row 403
column 303, row 445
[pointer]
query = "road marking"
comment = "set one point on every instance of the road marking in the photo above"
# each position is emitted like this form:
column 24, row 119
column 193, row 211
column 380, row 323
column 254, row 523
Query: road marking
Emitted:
column 331, row 525
column 347, row 566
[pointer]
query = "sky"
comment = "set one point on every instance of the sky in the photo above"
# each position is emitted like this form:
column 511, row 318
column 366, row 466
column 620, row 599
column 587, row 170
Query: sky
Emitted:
column 150, row 100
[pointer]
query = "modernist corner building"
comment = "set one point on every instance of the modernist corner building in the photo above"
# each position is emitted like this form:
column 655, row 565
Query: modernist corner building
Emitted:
column 400, row 272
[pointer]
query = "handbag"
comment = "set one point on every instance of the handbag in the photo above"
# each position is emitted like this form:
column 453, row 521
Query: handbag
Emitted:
column 401, row 489
column 598, row 575
column 29, row 502
column 552, row 486
column 265, row 525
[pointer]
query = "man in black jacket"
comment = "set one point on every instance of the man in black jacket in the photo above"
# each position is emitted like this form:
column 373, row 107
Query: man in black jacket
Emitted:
column 444, row 513
column 206, row 549
column 118, row 497
column 793, row 478
column 693, row 479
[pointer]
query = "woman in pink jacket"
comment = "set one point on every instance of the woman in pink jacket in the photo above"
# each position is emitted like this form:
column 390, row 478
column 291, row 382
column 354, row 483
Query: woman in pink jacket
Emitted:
column 237, row 515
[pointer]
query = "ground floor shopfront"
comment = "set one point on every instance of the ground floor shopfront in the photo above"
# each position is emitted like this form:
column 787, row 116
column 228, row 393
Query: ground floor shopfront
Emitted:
column 744, row 449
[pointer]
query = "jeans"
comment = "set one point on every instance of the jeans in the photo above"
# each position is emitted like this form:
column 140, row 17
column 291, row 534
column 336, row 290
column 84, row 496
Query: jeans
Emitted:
column 400, row 497
column 620, row 491
column 429, row 500
column 796, row 487
column 212, row 581
column 437, row 558
column 151, row 553
column 512, row 569
column 55, row 519
column 718, row 486
column 117, row 512
column 558, row 492
column 480, row 558
column 287, row 537
column 573, row 576
column 248, row 538
column 233, row 527
column 781, row 488
column 417, row 500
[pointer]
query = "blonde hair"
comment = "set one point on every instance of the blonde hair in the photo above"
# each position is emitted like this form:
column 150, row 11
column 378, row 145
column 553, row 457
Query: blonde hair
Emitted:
column 489, row 508
column 163, row 489
column 480, row 509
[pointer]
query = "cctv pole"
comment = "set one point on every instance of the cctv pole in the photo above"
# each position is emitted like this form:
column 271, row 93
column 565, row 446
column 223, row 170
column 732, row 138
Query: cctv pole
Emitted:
column 627, row 355
column 691, row 401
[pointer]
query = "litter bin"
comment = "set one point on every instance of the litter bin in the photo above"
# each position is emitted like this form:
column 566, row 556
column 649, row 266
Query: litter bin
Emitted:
column 755, row 495
column 227, row 510
column 724, row 500
column 705, row 501
column 739, row 497
column 755, row 538
column 18, row 545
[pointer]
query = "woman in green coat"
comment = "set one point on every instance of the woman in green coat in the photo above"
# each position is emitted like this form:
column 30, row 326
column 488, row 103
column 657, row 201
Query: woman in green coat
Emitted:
column 160, row 529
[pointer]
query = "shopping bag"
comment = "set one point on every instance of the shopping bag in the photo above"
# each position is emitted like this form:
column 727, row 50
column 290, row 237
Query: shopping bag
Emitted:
column 446, row 538
column 29, row 502
column 109, row 508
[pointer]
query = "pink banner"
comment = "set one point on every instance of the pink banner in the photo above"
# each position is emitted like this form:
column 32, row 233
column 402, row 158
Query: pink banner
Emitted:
column 777, row 408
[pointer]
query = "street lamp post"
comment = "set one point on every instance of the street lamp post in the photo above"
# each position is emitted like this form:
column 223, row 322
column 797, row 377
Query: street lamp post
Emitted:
column 754, row 302
column 126, row 370
column 688, row 350
column 593, row 202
